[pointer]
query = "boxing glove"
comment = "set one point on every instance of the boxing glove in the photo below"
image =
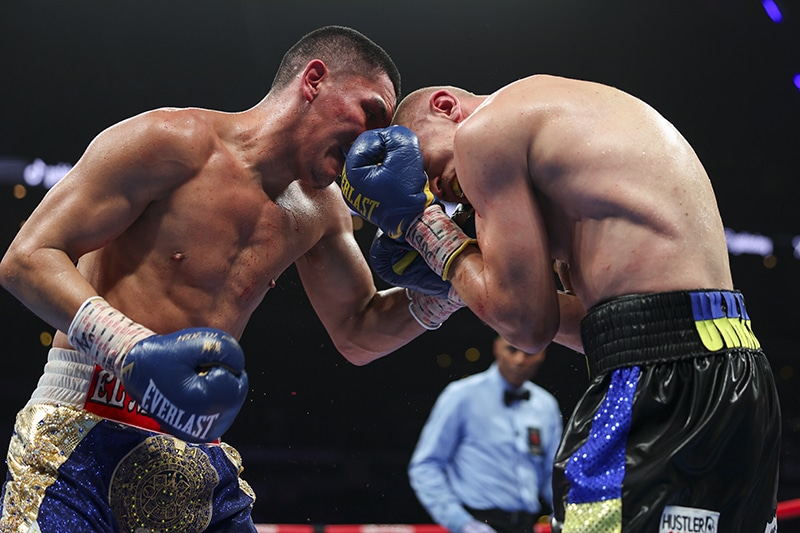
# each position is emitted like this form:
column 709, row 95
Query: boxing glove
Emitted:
column 431, row 311
column 438, row 239
column 192, row 382
column 399, row 265
column 384, row 180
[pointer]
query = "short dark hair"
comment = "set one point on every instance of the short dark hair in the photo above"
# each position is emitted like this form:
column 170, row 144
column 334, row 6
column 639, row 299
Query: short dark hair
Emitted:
column 340, row 48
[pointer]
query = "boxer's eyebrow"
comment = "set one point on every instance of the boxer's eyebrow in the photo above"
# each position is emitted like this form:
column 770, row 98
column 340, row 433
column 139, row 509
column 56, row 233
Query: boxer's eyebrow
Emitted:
column 379, row 109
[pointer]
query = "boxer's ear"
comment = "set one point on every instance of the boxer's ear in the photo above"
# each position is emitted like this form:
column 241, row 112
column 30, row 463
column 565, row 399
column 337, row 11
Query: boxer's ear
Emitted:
column 446, row 104
column 312, row 77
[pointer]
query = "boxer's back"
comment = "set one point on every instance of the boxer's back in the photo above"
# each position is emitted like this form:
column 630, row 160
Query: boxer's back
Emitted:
column 624, row 195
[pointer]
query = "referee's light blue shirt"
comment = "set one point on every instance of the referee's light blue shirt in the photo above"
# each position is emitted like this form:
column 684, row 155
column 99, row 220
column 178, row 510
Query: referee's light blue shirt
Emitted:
column 476, row 452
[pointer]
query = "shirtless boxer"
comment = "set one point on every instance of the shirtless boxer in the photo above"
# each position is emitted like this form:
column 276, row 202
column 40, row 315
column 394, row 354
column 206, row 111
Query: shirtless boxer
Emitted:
column 681, row 423
column 176, row 219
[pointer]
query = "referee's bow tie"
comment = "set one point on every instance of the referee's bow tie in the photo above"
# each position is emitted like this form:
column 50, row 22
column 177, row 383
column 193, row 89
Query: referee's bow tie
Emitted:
column 510, row 397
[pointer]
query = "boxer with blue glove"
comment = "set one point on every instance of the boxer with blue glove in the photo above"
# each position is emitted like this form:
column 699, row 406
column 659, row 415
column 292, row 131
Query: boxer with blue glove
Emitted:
column 192, row 381
column 186, row 217
column 400, row 265
column 384, row 181
column 432, row 299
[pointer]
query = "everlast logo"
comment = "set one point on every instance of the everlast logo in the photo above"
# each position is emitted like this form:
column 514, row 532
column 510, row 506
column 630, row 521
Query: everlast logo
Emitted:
column 362, row 205
column 677, row 519
column 159, row 407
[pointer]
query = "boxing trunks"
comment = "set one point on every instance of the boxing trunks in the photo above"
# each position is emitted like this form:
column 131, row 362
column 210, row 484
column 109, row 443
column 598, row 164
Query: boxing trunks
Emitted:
column 84, row 458
column 679, row 430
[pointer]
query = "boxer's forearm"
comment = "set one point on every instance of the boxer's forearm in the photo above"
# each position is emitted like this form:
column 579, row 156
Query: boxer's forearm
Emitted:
column 384, row 325
column 46, row 281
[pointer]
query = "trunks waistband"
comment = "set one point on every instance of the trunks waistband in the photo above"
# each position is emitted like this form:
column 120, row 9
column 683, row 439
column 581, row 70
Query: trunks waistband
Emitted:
column 71, row 378
column 652, row 328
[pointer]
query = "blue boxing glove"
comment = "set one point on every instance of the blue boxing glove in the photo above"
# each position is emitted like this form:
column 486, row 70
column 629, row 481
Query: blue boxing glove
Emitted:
column 384, row 180
column 192, row 382
column 398, row 264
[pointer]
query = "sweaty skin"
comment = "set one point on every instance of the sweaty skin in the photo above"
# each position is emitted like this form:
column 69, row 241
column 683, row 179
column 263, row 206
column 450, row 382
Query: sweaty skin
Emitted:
column 186, row 217
column 571, row 172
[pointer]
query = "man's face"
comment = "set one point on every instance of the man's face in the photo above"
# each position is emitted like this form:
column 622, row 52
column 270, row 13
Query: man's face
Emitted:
column 436, row 143
column 350, row 105
column 516, row 366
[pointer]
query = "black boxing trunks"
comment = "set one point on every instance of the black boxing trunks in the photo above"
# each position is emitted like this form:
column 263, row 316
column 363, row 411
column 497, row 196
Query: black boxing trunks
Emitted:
column 83, row 459
column 679, row 430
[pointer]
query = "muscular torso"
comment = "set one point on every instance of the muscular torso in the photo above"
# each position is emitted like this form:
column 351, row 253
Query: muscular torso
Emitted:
column 626, row 202
column 207, row 252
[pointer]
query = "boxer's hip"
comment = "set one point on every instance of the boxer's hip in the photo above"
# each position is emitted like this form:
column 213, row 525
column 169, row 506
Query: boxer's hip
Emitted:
column 72, row 379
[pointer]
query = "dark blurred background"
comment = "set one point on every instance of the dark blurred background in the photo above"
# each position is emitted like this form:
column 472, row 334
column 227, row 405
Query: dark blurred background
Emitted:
column 324, row 441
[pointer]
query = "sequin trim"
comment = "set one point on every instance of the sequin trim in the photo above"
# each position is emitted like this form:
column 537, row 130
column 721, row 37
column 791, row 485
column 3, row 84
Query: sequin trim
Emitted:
column 44, row 437
column 596, row 470
column 595, row 517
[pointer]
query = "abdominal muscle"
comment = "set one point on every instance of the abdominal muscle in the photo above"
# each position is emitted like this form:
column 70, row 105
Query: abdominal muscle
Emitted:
column 209, row 268
column 166, row 296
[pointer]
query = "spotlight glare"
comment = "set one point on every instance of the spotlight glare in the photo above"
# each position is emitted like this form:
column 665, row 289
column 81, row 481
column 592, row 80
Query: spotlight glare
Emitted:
column 443, row 360
column 797, row 81
column 472, row 354
column 748, row 243
column 46, row 338
column 773, row 11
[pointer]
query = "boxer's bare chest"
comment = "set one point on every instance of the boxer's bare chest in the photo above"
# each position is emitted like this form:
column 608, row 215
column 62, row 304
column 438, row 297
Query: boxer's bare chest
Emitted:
column 214, row 246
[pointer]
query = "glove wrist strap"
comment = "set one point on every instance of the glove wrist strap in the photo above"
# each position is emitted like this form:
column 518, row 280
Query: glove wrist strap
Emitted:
column 438, row 239
column 431, row 311
column 105, row 334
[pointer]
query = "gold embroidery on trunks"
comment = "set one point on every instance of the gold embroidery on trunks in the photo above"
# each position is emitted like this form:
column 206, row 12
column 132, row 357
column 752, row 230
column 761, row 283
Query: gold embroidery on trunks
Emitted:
column 236, row 459
column 163, row 485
